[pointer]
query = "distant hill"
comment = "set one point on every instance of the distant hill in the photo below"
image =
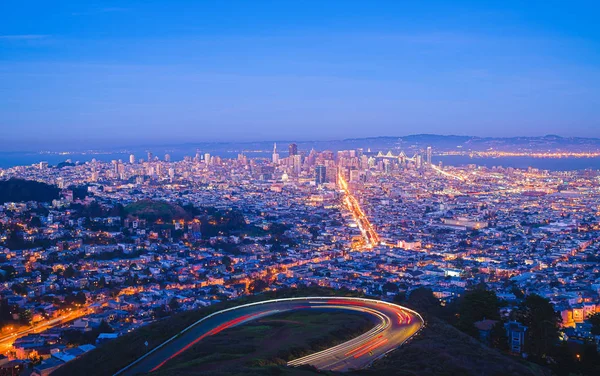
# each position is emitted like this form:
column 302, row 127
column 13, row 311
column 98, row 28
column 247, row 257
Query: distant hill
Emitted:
column 474, row 143
column 20, row 190
column 152, row 211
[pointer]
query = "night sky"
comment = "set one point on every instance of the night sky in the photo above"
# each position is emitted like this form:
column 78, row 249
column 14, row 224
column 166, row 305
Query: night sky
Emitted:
column 98, row 73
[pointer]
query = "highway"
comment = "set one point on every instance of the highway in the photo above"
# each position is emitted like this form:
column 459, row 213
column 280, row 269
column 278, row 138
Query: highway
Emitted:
column 7, row 340
column 367, row 230
column 395, row 325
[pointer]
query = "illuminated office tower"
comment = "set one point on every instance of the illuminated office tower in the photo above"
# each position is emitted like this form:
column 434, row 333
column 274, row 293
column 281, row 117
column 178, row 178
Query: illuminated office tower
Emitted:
column 115, row 164
column 320, row 175
column 207, row 158
column 293, row 150
column 167, row 158
column 429, row 155
column 364, row 162
column 355, row 175
column 149, row 156
column 131, row 158
column 120, row 169
column 297, row 163
column 275, row 154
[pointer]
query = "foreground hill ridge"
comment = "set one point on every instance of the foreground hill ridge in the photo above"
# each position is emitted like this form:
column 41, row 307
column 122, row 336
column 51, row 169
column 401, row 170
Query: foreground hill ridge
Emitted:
column 439, row 349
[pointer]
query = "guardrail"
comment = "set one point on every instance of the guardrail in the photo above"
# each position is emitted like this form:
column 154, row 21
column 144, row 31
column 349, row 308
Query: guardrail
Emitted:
column 255, row 304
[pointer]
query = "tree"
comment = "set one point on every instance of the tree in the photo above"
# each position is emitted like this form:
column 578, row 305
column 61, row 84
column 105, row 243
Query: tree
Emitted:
column 80, row 298
column 389, row 287
column 102, row 282
column 104, row 327
column 477, row 304
column 423, row 300
column 537, row 313
column 257, row 286
column 8, row 273
column 595, row 321
column 69, row 272
column 25, row 317
column 400, row 297
column 227, row 261
column 498, row 337
column 174, row 304
column 35, row 222
column 19, row 289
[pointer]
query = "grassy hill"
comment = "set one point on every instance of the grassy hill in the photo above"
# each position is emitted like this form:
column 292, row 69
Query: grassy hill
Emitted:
column 116, row 354
column 442, row 350
column 152, row 211
column 263, row 347
column 268, row 344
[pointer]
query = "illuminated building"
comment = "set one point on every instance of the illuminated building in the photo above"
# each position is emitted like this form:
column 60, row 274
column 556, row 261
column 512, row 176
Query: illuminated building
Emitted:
column 320, row 175
column 429, row 155
column 293, row 150
column 275, row 154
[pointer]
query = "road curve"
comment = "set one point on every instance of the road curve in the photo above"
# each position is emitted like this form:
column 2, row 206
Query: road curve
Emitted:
column 395, row 325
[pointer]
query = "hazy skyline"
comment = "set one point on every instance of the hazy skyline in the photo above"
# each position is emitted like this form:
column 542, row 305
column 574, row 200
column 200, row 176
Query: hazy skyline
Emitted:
column 179, row 71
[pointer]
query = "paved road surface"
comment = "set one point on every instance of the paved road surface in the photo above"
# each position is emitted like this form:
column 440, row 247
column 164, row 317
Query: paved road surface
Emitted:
column 395, row 325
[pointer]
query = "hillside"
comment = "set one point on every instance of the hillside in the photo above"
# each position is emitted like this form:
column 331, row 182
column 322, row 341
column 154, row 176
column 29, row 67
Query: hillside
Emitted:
column 442, row 350
column 107, row 359
column 268, row 343
column 20, row 190
column 152, row 211
column 438, row 350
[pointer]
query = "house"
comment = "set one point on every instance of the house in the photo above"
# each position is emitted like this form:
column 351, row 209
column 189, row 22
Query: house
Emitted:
column 515, row 332
column 485, row 329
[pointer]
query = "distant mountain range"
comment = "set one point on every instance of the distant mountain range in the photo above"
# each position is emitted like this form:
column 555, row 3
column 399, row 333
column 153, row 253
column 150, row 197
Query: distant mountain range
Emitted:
column 419, row 141
column 452, row 142
column 411, row 142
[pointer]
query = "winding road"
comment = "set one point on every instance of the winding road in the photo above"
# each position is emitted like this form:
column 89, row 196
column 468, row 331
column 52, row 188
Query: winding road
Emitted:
column 395, row 325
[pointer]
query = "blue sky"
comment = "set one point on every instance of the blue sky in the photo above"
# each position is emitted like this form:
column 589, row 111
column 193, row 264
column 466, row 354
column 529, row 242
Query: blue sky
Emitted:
column 155, row 71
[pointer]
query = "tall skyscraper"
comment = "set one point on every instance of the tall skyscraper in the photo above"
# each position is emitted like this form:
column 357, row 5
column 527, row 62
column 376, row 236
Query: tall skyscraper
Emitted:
column 320, row 175
column 149, row 156
column 429, row 152
column 297, row 163
column 131, row 158
column 115, row 164
column 275, row 154
column 167, row 158
column 293, row 150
